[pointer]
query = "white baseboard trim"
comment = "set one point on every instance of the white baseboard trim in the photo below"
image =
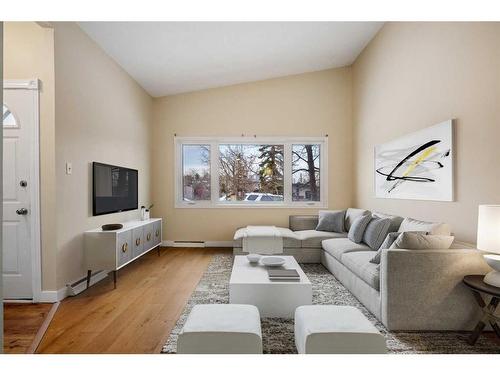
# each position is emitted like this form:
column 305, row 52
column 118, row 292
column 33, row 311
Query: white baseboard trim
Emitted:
column 218, row 243
column 52, row 296
column 189, row 244
column 80, row 285
column 170, row 243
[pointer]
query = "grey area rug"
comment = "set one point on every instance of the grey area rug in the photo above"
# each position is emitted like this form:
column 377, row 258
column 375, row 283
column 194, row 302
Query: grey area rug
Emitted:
column 278, row 333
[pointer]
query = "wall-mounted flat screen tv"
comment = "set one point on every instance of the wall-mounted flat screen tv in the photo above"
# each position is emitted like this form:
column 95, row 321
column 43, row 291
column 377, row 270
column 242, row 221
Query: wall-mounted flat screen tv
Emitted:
column 114, row 189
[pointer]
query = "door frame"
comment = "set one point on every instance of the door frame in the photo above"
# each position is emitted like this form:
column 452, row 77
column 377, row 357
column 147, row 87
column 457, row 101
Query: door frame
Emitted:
column 35, row 241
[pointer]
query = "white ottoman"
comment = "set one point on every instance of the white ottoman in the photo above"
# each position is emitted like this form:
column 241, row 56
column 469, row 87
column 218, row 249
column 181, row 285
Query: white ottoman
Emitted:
column 221, row 329
column 335, row 329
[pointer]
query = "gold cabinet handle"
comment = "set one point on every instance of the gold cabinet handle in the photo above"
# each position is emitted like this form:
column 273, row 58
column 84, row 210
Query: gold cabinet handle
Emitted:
column 157, row 232
column 137, row 241
column 149, row 236
column 124, row 247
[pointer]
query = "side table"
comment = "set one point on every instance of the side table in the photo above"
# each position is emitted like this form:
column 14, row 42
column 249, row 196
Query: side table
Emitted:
column 476, row 284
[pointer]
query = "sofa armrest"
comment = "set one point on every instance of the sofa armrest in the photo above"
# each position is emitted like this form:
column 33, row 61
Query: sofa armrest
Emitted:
column 302, row 222
column 423, row 289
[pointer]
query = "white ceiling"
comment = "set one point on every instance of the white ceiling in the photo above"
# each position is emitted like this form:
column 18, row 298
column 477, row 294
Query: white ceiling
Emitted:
column 173, row 57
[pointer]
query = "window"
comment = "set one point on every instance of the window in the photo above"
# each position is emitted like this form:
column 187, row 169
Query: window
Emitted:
column 9, row 121
column 236, row 172
column 196, row 173
column 245, row 169
column 306, row 172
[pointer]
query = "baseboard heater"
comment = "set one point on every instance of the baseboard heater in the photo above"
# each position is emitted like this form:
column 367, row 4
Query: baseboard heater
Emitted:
column 189, row 244
column 80, row 285
column 179, row 243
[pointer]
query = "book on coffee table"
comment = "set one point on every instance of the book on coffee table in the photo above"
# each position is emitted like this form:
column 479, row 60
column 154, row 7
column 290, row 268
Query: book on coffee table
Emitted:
column 290, row 275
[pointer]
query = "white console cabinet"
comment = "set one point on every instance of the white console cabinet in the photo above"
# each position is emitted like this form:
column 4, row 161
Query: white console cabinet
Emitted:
column 112, row 250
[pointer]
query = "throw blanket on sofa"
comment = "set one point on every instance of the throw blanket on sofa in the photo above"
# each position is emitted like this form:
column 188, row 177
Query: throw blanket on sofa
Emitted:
column 262, row 240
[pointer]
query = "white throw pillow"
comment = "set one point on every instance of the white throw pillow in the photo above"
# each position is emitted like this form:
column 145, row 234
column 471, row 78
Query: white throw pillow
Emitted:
column 414, row 241
column 414, row 225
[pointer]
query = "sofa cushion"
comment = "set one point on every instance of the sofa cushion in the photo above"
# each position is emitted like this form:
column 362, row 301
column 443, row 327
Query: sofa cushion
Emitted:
column 313, row 238
column 395, row 220
column 376, row 231
column 359, row 263
column 412, row 225
column 358, row 228
column 302, row 222
column 415, row 241
column 331, row 221
column 336, row 247
column 290, row 240
column 352, row 214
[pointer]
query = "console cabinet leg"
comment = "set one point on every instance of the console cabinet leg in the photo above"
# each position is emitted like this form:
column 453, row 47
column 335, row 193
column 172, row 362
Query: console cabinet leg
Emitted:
column 114, row 279
column 89, row 275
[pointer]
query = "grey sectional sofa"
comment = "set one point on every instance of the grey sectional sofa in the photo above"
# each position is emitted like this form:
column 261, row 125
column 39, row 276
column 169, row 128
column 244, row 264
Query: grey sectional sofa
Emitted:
column 301, row 239
column 409, row 290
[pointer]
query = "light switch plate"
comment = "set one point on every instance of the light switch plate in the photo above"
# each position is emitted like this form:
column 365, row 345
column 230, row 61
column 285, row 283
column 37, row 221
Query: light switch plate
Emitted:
column 69, row 168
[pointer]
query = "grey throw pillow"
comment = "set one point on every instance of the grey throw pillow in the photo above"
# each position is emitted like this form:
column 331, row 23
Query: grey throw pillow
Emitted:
column 414, row 241
column 389, row 240
column 331, row 221
column 395, row 220
column 376, row 231
column 358, row 227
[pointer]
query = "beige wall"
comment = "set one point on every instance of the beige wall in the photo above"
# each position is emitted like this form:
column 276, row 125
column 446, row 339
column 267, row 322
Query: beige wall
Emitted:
column 312, row 104
column 29, row 53
column 414, row 75
column 102, row 115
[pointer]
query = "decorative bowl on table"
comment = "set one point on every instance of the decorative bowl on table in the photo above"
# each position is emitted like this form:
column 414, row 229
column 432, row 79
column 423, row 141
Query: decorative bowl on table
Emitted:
column 107, row 227
column 272, row 261
column 254, row 258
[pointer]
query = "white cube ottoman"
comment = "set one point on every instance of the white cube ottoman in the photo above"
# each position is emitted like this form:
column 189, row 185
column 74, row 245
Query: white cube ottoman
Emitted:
column 335, row 329
column 221, row 329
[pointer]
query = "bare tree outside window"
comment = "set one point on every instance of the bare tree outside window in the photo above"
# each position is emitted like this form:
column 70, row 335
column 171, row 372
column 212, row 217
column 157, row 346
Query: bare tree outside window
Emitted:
column 251, row 173
column 306, row 172
column 196, row 172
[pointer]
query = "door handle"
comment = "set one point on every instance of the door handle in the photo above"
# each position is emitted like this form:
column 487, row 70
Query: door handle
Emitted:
column 22, row 211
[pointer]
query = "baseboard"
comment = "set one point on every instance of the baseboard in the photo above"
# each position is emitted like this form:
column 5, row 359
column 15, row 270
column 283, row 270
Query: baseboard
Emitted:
column 80, row 285
column 170, row 243
column 189, row 244
column 218, row 243
column 52, row 296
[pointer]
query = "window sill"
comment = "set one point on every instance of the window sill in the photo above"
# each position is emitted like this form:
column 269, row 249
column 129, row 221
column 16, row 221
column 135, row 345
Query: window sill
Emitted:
column 318, row 205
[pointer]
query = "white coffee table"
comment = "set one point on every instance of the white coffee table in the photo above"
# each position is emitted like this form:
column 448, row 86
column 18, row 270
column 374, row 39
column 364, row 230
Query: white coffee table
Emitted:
column 250, row 284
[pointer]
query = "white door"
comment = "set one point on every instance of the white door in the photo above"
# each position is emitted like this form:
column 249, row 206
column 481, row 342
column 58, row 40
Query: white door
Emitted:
column 19, row 126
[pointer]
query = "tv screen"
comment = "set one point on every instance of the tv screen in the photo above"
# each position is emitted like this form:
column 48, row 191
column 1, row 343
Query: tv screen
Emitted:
column 115, row 189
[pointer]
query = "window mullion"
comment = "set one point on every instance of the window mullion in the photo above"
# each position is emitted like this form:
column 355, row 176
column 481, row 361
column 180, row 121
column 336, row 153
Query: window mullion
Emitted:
column 178, row 172
column 214, row 172
column 287, row 174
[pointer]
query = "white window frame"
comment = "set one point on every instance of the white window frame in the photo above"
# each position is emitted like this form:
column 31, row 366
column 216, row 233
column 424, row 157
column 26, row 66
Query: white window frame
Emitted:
column 214, row 143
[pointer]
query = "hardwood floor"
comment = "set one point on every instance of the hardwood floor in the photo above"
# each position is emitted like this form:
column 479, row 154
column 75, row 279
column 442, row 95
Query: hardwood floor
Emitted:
column 22, row 322
column 138, row 315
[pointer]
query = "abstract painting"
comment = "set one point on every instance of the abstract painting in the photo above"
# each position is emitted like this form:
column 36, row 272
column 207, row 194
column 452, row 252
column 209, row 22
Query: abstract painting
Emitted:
column 417, row 166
